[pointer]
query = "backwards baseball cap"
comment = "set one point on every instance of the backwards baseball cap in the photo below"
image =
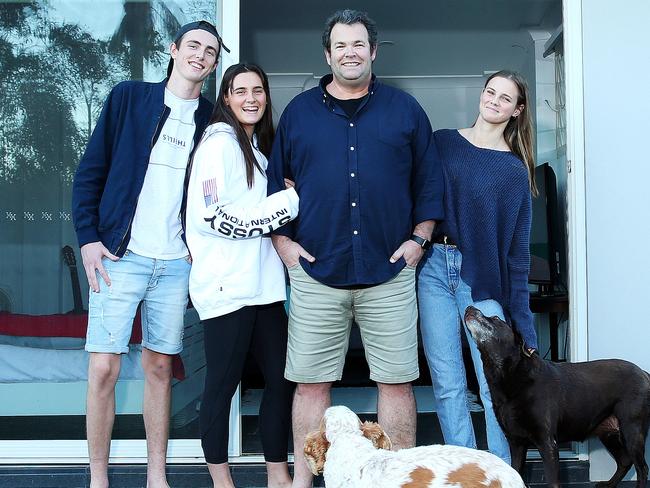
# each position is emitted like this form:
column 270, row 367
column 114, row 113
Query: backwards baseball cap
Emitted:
column 200, row 25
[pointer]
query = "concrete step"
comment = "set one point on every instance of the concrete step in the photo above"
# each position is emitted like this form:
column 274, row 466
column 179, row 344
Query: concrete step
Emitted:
column 574, row 474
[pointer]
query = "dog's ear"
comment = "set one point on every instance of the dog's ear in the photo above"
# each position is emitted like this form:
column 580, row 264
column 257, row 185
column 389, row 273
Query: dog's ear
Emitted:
column 374, row 432
column 316, row 445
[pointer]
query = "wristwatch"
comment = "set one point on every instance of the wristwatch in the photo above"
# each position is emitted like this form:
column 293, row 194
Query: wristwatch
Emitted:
column 421, row 241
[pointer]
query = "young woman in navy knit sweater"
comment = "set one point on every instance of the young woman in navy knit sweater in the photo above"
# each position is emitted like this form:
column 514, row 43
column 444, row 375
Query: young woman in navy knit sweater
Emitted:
column 481, row 254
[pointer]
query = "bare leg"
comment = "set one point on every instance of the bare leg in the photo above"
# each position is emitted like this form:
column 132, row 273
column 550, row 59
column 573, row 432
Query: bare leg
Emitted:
column 103, row 370
column 396, row 413
column 309, row 404
column 278, row 475
column 220, row 474
column 157, row 398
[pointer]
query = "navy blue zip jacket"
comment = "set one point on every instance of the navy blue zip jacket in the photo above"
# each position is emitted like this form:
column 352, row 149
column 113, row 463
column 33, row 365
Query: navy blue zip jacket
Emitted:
column 111, row 172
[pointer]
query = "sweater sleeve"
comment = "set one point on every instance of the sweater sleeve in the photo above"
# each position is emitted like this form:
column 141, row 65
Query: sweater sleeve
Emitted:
column 93, row 170
column 217, row 162
column 518, row 270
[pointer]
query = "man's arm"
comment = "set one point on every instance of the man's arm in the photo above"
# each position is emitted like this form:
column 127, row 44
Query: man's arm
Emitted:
column 277, row 172
column 289, row 250
column 92, row 172
column 279, row 169
column 410, row 250
column 87, row 190
column 427, row 182
column 425, row 229
column 427, row 188
column 91, row 256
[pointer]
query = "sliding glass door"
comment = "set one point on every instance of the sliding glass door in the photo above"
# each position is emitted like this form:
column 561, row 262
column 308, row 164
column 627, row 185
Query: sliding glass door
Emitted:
column 59, row 60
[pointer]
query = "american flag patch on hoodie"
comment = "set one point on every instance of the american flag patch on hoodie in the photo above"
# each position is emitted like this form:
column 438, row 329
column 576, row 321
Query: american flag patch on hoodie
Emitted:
column 210, row 191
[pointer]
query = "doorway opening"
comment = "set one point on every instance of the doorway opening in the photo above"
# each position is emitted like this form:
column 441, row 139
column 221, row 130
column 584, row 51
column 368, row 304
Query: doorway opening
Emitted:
column 442, row 53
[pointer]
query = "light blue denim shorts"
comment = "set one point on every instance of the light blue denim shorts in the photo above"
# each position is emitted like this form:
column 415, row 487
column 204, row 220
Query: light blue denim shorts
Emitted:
column 162, row 287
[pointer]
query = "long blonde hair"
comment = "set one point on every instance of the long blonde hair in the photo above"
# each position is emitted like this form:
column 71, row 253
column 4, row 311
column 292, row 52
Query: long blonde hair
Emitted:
column 519, row 134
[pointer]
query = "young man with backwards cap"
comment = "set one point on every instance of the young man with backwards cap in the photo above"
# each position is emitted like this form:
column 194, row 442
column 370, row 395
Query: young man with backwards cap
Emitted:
column 126, row 204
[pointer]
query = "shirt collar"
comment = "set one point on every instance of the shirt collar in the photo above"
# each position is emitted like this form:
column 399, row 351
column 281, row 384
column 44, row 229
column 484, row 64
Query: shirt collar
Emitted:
column 327, row 79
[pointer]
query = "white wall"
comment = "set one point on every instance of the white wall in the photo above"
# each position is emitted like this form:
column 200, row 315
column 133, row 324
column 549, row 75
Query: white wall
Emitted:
column 414, row 52
column 617, row 168
column 449, row 101
column 430, row 37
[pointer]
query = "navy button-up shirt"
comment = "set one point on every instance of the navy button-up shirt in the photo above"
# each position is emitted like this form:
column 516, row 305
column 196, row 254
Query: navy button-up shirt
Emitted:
column 364, row 181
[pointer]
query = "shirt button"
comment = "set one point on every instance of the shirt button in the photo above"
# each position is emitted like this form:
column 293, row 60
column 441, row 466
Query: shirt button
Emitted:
column 354, row 204
column 355, row 232
column 351, row 124
column 352, row 175
column 351, row 148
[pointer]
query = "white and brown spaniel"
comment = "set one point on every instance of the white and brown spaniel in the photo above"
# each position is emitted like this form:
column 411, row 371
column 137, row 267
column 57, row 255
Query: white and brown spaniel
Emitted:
column 352, row 454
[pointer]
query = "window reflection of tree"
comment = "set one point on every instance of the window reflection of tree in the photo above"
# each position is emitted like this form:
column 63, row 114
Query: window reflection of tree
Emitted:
column 88, row 71
column 54, row 76
column 49, row 70
column 141, row 32
column 58, row 61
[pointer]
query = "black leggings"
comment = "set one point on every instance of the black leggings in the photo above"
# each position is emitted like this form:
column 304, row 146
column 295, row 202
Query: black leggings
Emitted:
column 262, row 330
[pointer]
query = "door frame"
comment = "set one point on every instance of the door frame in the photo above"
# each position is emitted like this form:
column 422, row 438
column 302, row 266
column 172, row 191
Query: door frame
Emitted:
column 189, row 450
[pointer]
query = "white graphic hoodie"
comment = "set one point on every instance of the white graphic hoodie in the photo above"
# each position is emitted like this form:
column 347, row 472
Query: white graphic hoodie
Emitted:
column 234, row 263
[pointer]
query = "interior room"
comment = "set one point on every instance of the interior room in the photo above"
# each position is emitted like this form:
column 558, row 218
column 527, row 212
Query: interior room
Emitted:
column 441, row 52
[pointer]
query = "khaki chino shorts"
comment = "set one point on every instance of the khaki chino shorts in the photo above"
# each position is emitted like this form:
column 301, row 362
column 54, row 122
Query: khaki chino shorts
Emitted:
column 320, row 318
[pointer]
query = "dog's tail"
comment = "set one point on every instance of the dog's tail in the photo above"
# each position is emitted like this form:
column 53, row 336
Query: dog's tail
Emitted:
column 648, row 375
column 648, row 394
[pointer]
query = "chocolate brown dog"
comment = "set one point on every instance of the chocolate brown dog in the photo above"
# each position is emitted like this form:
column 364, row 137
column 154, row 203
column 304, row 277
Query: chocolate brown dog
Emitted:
column 539, row 403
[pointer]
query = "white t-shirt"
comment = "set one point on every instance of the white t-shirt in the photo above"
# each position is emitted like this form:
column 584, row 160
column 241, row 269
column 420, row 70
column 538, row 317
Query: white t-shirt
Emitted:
column 156, row 230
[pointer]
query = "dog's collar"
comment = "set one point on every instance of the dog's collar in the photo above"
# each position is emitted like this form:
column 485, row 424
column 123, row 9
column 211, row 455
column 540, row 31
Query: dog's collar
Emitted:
column 528, row 351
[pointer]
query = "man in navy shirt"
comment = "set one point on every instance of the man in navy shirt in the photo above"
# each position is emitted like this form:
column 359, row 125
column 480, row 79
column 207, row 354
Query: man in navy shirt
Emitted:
column 363, row 159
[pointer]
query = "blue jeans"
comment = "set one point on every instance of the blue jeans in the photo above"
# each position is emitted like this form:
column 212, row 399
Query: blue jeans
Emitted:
column 443, row 297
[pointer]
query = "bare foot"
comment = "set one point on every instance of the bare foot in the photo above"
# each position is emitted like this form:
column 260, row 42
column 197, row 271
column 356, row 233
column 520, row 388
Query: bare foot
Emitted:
column 157, row 484
column 280, row 485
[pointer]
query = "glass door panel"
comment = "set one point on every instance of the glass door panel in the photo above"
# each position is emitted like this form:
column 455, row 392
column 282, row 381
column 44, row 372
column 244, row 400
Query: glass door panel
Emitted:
column 59, row 61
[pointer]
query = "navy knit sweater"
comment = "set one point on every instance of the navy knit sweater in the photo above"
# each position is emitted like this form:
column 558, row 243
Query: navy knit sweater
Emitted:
column 488, row 214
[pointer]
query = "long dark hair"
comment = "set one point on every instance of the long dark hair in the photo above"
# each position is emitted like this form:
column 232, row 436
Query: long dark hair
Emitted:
column 263, row 129
column 519, row 131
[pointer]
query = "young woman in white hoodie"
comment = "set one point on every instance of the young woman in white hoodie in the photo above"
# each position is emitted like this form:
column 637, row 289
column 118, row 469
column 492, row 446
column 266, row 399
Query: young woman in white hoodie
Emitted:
column 237, row 282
